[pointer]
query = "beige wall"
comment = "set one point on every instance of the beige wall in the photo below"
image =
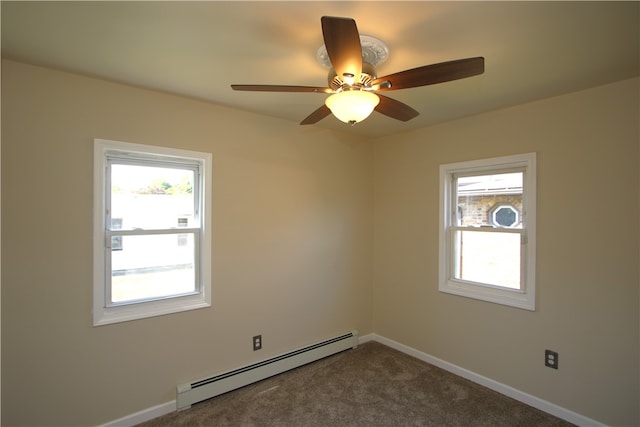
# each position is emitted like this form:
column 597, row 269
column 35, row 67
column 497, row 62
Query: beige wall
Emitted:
column 587, row 269
column 292, row 241
column 305, row 221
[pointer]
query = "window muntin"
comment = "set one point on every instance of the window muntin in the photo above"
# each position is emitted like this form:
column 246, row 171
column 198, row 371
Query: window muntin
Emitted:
column 153, row 215
column 487, row 230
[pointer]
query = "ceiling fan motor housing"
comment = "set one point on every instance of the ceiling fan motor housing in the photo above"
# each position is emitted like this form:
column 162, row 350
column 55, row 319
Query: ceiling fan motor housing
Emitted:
column 339, row 83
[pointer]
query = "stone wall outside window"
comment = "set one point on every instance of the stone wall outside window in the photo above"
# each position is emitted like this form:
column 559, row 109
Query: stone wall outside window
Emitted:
column 476, row 210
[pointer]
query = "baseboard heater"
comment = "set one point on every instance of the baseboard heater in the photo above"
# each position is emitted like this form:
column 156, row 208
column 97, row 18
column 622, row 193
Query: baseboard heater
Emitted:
column 206, row 388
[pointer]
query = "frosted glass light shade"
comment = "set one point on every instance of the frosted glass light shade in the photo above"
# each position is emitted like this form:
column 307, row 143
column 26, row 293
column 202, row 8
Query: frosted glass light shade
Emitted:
column 352, row 106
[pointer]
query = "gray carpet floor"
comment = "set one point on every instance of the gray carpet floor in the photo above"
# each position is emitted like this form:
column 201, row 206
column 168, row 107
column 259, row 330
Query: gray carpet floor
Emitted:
column 372, row 385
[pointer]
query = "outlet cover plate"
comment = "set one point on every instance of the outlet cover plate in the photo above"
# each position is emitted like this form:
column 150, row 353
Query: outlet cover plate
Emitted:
column 257, row 342
column 551, row 359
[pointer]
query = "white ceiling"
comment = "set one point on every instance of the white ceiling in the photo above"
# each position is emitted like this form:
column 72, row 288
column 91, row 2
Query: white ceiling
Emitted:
column 532, row 50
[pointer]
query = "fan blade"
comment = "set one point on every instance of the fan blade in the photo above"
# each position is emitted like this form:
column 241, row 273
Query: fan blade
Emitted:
column 317, row 115
column 395, row 109
column 281, row 88
column 342, row 41
column 431, row 74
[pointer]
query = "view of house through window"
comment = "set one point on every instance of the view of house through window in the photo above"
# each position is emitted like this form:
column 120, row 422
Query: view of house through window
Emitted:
column 487, row 249
column 152, row 231
column 149, row 259
column 487, row 229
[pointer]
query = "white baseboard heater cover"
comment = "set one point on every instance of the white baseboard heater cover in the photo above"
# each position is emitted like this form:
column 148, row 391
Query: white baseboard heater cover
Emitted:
column 206, row 388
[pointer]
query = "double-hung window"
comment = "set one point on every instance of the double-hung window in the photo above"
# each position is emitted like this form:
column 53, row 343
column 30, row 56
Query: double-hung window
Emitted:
column 152, row 231
column 487, row 230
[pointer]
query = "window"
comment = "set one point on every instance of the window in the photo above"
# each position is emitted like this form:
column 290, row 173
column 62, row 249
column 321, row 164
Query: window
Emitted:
column 505, row 216
column 487, row 230
column 152, row 231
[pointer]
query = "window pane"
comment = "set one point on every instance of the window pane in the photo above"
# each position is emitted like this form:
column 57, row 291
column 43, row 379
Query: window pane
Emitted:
column 488, row 257
column 152, row 266
column 144, row 197
column 490, row 200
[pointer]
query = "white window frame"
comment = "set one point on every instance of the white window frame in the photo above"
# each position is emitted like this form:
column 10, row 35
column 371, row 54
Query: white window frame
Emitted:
column 105, row 313
column 525, row 297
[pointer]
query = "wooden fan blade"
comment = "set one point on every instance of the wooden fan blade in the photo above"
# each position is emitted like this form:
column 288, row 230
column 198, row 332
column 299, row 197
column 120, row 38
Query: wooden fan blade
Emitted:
column 281, row 88
column 431, row 74
column 317, row 115
column 342, row 41
column 395, row 109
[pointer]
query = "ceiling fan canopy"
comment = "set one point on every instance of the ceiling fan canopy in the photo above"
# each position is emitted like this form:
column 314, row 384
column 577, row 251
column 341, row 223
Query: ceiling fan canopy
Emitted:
column 353, row 81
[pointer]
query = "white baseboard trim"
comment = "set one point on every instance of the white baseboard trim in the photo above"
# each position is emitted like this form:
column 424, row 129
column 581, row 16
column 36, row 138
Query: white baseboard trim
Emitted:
column 144, row 415
column 366, row 338
column 543, row 405
column 511, row 392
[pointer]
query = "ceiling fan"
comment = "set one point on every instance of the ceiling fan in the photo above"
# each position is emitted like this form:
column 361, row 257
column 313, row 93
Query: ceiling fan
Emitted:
column 353, row 80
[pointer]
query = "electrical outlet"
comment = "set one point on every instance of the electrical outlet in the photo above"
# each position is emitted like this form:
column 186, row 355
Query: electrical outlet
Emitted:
column 257, row 342
column 551, row 359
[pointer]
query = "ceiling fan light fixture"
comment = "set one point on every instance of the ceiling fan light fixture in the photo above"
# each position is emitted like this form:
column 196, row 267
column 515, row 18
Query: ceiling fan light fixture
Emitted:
column 352, row 106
